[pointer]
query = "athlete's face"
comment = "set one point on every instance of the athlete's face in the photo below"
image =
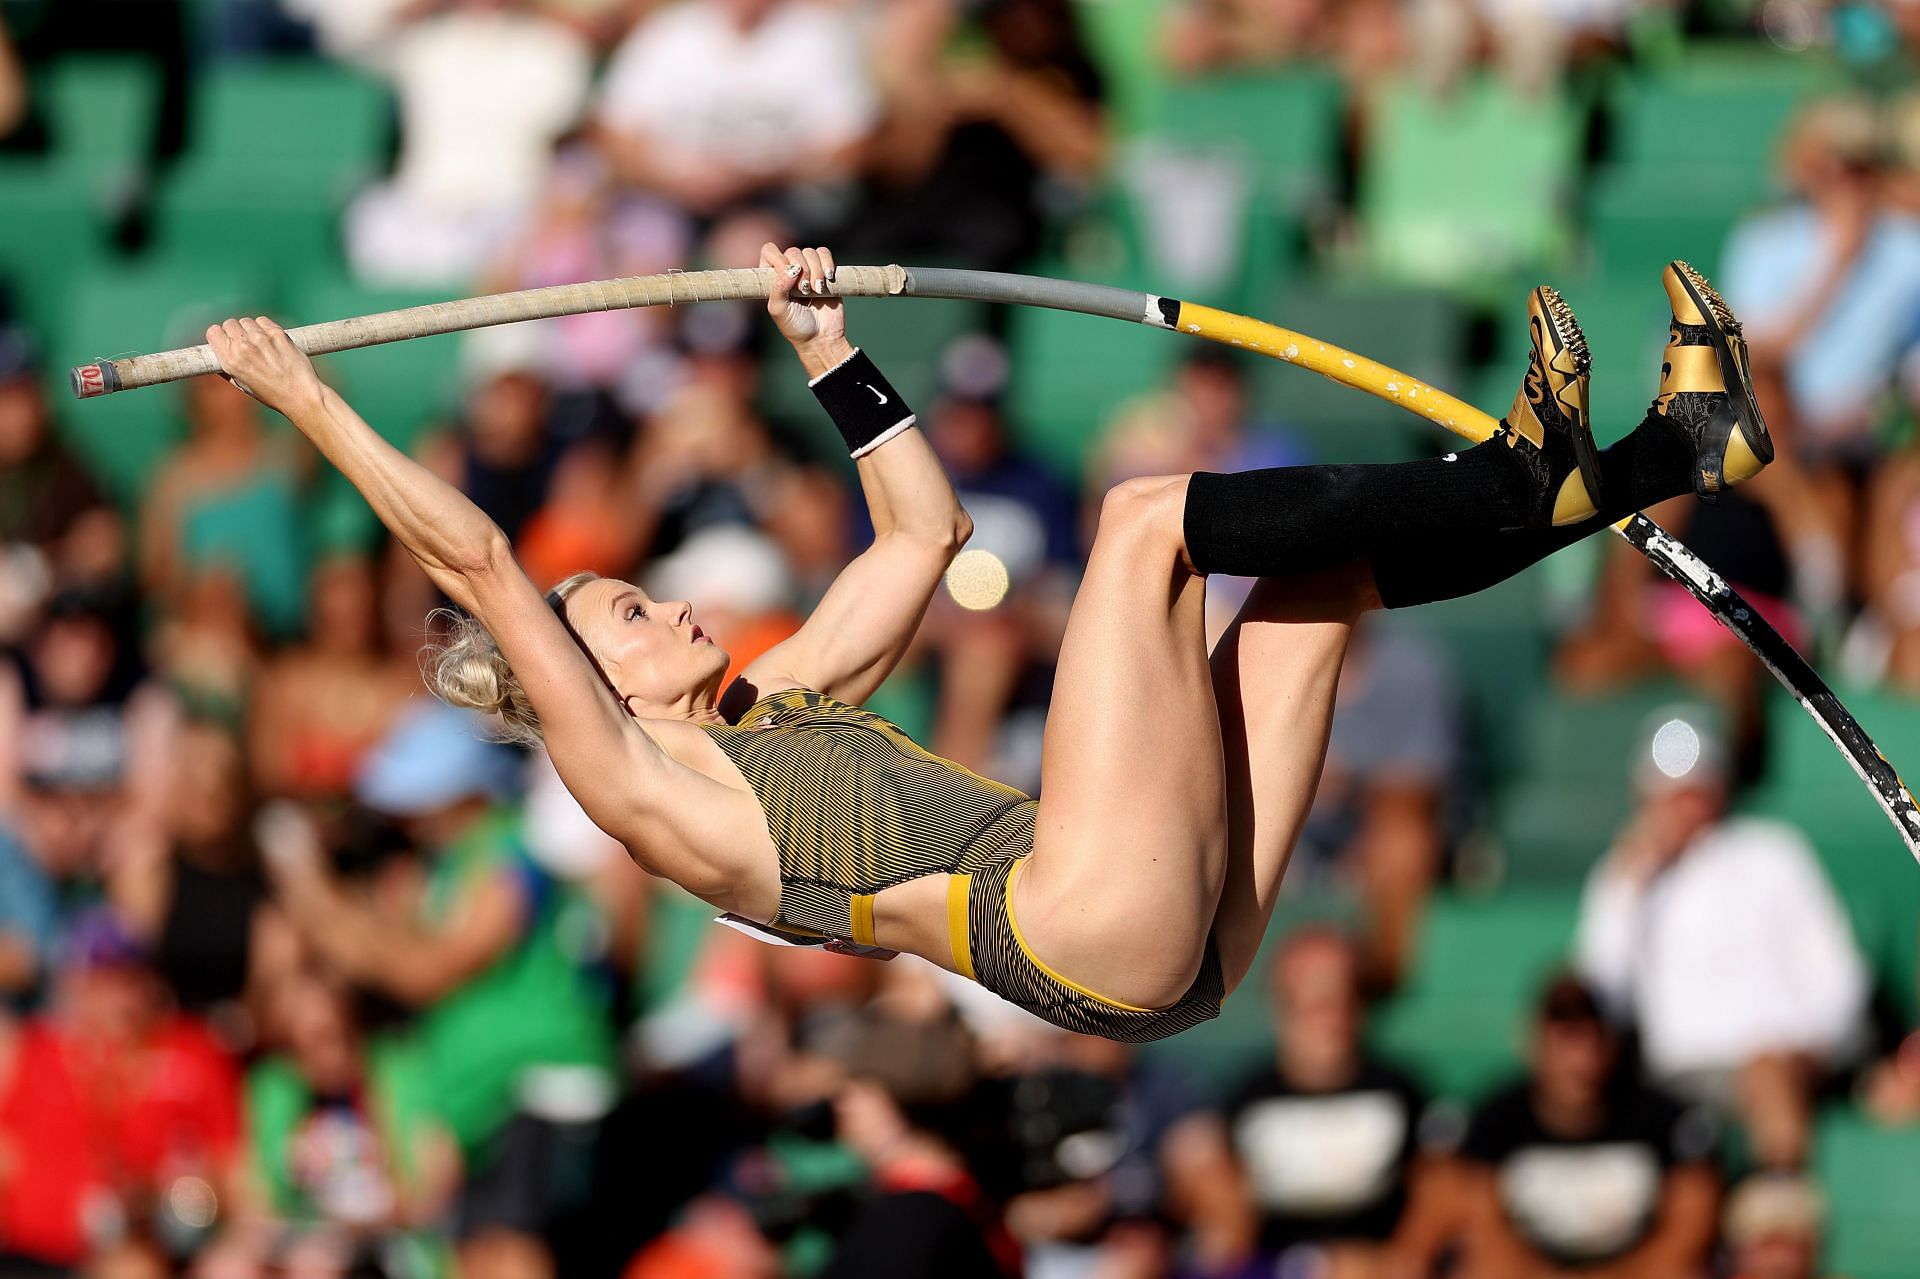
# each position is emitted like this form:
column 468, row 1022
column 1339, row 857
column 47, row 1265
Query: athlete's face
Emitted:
column 658, row 660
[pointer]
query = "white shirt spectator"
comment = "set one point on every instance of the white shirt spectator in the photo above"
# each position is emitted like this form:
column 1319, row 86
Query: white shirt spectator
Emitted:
column 349, row 29
column 1738, row 949
column 483, row 98
column 690, row 80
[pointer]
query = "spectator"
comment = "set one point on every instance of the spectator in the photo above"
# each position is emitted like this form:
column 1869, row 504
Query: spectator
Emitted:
column 707, row 457
column 1114, row 1154
column 28, row 916
column 1721, row 938
column 186, row 883
column 13, row 83
column 1324, row 1142
column 1383, row 812
column 961, row 166
column 1204, row 421
column 1773, row 1226
column 904, row 1105
column 230, row 499
column 994, row 646
column 55, row 528
column 486, row 88
column 1829, row 290
column 699, row 107
column 206, row 649
column 580, row 232
column 1579, row 1170
column 503, row 454
column 73, row 719
column 119, row 1117
column 352, row 1167
column 322, row 705
column 1883, row 645
column 516, row 1038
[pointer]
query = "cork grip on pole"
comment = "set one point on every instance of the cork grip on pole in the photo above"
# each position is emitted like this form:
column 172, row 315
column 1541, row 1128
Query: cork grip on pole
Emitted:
column 672, row 289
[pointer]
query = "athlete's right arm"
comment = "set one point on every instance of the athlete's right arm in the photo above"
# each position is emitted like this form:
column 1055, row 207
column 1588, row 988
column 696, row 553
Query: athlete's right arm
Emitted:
column 600, row 752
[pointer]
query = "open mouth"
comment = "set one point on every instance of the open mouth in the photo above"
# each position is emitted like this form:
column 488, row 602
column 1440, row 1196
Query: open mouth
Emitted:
column 698, row 635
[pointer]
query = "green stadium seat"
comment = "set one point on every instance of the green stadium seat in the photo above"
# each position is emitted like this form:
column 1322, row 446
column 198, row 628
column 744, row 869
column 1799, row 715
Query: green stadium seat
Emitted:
column 1717, row 107
column 1071, row 372
column 284, row 230
column 1236, row 263
column 1554, row 832
column 52, row 236
column 1418, row 332
column 1465, row 188
column 135, row 309
column 1633, row 238
column 1284, row 125
column 1268, row 141
column 401, row 388
column 1123, row 37
column 1461, row 1021
column 1871, row 1179
column 1498, row 644
column 295, row 125
column 101, row 110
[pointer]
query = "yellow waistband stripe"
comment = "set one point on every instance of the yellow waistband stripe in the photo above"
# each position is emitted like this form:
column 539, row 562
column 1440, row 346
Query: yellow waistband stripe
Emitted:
column 1036, row 961
column 959, row 939
column 862, row 909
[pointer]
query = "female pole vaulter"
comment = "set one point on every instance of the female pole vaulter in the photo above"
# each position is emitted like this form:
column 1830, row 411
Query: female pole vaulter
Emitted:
column 1131, row 897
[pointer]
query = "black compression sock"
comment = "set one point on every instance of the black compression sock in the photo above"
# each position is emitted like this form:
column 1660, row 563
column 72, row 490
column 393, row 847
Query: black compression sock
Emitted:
column 1297, row 519
column 1650, row 465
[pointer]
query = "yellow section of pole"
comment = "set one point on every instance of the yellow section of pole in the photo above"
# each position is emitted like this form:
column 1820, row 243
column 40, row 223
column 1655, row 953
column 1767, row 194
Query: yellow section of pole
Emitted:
column 1343, row 366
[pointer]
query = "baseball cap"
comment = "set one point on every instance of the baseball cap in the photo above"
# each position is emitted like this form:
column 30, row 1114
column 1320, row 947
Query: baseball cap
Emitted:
column 435, row 756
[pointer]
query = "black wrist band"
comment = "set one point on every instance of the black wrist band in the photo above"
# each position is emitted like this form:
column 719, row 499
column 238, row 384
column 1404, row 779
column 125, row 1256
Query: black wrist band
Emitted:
column 862, row 403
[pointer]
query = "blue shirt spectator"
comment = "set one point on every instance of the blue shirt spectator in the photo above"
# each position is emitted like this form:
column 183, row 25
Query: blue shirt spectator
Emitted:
column 28, row 911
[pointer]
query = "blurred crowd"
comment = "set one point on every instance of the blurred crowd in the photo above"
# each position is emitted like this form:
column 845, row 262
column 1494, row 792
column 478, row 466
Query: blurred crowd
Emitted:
column 305, row 976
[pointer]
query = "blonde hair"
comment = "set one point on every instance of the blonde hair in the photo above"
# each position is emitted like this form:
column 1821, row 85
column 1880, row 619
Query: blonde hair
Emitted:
column 464, row 666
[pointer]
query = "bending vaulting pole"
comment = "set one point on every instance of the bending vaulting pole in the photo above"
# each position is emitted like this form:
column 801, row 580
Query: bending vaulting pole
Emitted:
column 1667, row 552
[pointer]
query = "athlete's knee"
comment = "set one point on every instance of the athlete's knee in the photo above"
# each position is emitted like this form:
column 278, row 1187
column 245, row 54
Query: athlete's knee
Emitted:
column 1151, row 507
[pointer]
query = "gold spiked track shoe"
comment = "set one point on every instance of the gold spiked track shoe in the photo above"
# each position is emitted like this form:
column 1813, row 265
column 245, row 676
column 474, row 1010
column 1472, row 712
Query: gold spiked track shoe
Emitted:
column 1547, row 427
column 1706, row 386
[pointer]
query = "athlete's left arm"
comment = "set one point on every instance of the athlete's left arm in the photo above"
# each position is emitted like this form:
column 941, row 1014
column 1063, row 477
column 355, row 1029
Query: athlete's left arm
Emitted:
column 867, row 619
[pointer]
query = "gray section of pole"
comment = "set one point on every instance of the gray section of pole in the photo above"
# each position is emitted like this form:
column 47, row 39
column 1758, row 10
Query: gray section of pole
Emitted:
column 1033, row 290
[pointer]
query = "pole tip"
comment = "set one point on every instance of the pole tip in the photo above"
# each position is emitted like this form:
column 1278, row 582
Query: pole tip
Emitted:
column 90, row 380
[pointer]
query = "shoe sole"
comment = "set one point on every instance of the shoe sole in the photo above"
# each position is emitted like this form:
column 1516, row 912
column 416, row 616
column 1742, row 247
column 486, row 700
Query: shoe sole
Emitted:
column 1724, row 330
column 1567, row 344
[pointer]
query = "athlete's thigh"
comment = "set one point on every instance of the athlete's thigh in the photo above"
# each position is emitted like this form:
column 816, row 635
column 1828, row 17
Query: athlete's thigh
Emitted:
column 1129, row 844
column 1276, row 671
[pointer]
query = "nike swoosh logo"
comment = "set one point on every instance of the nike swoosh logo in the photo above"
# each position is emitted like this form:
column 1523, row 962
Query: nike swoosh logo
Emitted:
column 876, row 392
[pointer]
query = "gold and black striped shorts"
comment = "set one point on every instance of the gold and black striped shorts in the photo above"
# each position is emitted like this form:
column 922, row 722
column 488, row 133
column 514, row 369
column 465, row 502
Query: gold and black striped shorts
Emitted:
column 988, row 947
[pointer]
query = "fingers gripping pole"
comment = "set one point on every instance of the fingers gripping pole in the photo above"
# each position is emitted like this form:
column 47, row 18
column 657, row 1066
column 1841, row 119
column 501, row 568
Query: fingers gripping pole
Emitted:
column 675, row 288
